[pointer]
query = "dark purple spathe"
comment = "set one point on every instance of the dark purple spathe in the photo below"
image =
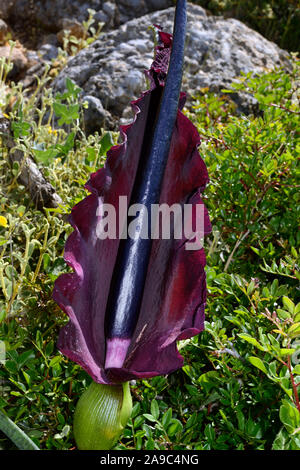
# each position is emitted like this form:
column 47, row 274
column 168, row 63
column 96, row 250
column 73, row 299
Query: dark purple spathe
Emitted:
column 174, row 295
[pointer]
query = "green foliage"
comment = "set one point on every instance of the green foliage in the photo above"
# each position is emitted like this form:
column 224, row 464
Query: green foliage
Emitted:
column 239, row 387
column 253, row 168
column 72, row 44
column 38, row 387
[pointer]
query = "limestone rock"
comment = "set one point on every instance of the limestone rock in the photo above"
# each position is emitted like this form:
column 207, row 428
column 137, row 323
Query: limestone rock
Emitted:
column 49, row 14
column 48, row 52
column 95, row 116
column 217, row 51
column 18, row 59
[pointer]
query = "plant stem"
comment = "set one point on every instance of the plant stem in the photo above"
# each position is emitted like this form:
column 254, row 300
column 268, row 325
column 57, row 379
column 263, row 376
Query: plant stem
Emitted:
column 238, row 242
column 15, row 434
column 295, row 391
column 42, row 251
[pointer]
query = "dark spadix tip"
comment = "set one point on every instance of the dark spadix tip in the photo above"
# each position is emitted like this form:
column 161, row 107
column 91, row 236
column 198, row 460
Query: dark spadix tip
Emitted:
column 130, row 272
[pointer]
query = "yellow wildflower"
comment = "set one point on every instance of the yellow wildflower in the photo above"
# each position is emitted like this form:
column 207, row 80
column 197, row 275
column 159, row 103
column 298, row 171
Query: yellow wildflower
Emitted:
column 52, row 131
column 3, row 221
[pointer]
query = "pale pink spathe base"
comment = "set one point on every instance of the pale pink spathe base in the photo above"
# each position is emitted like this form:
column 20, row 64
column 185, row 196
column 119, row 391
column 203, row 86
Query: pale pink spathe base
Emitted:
column 116, row 350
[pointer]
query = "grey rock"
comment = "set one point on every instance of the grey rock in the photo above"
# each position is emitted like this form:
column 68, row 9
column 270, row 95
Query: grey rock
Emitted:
column 158, row 4
column 101, row 17
column 50, row 13
column 48, row 52
column 49, row 39
column 217, row 51
column 109, row 8
column 33, row 58
column 136, row 4
column 36, row 70
column 132, row 7
column 95, row 116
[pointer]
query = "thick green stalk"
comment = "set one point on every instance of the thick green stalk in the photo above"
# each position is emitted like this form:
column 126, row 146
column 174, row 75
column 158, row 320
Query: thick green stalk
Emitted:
column 101, row 415
column 15, row 434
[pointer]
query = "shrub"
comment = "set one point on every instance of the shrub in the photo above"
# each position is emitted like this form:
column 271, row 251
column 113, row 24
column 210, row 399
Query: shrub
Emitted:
column 238, row 388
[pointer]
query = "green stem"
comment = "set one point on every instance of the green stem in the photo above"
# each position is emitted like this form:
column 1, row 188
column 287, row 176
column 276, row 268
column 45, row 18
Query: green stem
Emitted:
column 42, row 252
column 15, row 434
column 101, row 415
column 23, row 268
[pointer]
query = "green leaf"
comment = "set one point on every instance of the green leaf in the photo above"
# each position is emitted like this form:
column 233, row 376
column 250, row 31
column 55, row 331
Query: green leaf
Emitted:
column 294, row 330
column 27, row 377
column 288, row 304
column 138, row 421
column 55, row 361
column 64, row 149
column 154, row 409
column 11, row 366
column 166, row 419
column 257, row 362
column 49, row 348
column 21, row 129
column 280, row 440
column 210, row 433
column 72, row 88
column 39, row 339
column 297, row 317
column 25, row 357
column 91, row 152
column 106, row 143
column 193, row 391
column 150, row 444
column 175, row 427
column 45, row 156
column 147, row 429
column 66, row 113
column 297, row 369
column 297, row 309
column 289, row 416
column 208, row 380
column 149, row 417
column 251, row 340
column 192, row 420
column 255, row 250
column 135, row 409
column 253, row 429
column 283, row 314
column 286, row 351
column 241, row 420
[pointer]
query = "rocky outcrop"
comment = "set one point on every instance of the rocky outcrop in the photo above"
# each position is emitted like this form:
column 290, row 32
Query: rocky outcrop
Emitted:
column 17, row 57
column 50, row 14
column 217, row 51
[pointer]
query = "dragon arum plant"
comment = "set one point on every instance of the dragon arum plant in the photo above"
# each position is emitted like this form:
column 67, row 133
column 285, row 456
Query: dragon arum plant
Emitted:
column 152, row 292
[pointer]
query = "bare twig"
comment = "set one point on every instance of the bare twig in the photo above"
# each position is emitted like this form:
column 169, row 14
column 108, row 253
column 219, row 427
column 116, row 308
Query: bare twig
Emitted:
column 238, row 242
column 284, row 108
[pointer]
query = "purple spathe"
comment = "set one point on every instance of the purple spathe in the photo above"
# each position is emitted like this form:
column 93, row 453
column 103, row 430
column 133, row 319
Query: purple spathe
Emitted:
column 175, row 290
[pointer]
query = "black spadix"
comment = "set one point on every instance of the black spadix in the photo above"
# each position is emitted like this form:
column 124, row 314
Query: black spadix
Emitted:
column 130, row 271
